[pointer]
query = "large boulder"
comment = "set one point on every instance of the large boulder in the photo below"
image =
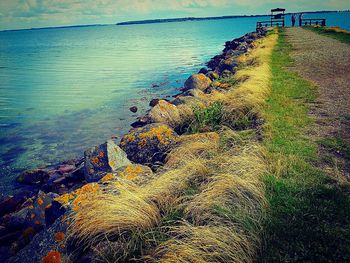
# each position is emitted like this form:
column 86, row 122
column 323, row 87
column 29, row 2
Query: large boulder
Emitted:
column 102, row 159
column 149, row 144
column 197, row 81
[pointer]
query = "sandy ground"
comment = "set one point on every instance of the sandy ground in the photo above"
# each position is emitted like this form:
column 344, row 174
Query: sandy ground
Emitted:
column 326, row 62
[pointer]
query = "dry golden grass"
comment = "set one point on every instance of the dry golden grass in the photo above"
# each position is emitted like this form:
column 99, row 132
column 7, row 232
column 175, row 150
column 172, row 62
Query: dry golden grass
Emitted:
column 201, row 244
column 221, row 219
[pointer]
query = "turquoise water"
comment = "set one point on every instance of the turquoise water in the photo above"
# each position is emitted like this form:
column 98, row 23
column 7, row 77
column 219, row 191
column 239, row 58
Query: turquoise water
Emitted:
column 65, row 90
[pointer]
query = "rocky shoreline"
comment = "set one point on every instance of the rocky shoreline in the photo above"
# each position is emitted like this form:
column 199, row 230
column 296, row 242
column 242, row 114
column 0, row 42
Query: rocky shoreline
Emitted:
column 34, row 222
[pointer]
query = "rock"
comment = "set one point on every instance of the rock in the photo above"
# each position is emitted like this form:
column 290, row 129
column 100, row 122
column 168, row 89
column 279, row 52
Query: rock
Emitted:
column 227, row 64
column 197, row 81
column 141, row 121
column 10, row 204
column 133, row 109
column 136, row 173
column 52, row 212
column 33, row 177
column 66, row 168
column 9, row 237
column 203, row 71
column 4, row 253
column 214, row 62
column 212, row 75
column 102, row 159
column 165, row 112
column 226, row 73
column 194, row 93
column 32, row 215
column 153, row 102
column 43, row 243
column 78, row 174
column 149, row 144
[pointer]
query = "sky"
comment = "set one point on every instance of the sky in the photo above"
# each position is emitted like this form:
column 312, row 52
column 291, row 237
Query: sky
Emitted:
column 17, row 14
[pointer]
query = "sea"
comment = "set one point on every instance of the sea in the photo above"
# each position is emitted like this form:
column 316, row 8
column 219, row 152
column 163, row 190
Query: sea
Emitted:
column 64, row 90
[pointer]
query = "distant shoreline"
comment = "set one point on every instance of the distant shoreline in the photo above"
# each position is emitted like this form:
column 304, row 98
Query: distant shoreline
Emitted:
column 184, row 19
column 165, row 20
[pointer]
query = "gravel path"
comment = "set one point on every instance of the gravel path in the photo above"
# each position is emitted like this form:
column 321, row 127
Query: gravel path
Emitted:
column 326, row 62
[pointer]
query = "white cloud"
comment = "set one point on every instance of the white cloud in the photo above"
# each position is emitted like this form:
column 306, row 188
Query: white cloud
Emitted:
column 58, row 12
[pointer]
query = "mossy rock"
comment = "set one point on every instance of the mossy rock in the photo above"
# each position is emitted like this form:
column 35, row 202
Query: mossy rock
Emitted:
column 149, row 144
column 197, row 81
column 103, row 159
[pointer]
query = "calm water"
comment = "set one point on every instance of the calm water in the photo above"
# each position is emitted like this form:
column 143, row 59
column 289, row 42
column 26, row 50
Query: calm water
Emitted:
column 65, row 90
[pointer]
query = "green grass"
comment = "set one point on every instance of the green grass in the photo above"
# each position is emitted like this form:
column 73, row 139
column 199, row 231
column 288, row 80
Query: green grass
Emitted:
column 308, row 219
column 341, row 36
column 206, row 118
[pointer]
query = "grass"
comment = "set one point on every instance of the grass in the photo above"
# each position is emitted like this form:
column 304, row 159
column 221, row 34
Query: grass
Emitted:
column 333, row 32
column 308, row 219
column 206, row 118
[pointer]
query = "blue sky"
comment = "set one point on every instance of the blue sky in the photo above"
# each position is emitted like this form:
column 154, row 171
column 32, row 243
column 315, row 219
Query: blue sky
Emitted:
column 43, row 13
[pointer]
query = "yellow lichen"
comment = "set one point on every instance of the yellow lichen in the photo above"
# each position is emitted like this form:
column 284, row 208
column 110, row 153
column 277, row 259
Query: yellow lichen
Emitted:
column 108, row 177
column 128, row 138
column 84, row 193
column 162, row 133
column 95, row 160
column 131, row 172
column 40, row 201
column 65, row 199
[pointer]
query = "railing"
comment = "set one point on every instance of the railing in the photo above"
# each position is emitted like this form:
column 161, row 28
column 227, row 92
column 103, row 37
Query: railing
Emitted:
column 314, row 21
column 270, row 23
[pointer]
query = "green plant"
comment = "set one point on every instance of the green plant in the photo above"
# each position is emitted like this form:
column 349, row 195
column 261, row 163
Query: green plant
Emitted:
column 206, row 118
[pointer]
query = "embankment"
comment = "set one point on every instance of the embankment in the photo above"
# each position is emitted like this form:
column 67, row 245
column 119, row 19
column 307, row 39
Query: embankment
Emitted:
column 185, row 184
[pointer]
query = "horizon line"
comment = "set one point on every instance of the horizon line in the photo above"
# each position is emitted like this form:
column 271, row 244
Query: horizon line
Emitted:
column 155, row 19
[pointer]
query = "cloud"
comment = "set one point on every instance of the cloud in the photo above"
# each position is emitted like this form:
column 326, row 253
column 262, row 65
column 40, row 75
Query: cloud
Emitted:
column 60, row 12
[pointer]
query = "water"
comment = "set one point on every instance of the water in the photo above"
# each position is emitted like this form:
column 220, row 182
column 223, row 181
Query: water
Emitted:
column 65, row 90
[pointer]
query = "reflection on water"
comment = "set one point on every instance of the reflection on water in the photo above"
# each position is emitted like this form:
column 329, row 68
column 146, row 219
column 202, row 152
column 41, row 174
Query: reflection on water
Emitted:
column 65, row 90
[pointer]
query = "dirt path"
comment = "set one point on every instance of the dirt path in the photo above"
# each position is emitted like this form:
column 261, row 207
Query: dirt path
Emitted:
column 326, row 62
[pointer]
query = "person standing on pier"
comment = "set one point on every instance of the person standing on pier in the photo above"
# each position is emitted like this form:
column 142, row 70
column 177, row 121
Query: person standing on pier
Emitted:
column 301, row 16
column 293, row 19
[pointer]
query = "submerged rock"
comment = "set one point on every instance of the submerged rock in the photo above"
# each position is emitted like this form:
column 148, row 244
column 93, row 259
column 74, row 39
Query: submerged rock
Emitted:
column 197, row 81
column 133, row 109
column 33, row 177
column 141, row 121
column 102, row 159
column 149, row 144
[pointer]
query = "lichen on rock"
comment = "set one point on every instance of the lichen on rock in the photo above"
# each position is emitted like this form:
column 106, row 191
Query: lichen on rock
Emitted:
column 102, row 159
column 197, row 81
column 151, row 143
